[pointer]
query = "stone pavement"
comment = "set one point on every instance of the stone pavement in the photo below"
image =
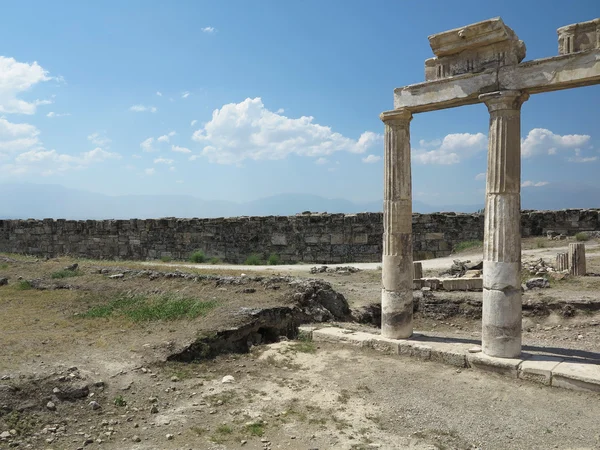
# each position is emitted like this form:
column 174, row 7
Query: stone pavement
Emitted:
column 558, row 367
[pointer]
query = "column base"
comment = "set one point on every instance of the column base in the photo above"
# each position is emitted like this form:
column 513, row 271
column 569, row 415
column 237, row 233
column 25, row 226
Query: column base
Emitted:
column 501, row 322
column 396, row 314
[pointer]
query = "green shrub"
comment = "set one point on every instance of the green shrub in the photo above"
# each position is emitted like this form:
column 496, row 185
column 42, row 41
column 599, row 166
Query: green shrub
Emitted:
column 215, row 260
column 66, row 273
column 120, row 401
column 166, row 259
column 273, row 260
column 582, row 236
column 198, row 257
column 253, row 260
column 24, row 285
column 465, row 245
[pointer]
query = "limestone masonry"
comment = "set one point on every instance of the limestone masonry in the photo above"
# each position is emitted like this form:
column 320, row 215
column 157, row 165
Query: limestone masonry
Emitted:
column 311, row 238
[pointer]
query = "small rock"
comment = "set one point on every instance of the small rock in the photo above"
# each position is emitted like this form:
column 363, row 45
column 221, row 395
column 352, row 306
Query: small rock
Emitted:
column 94, row 405
column 51, row 406
column 174, row 379
column 169, row 437
column 533, row 283
column 3, row 281
column 228, row 379
column 136, row 438
column 154, row 410
column 4, row 435
column 475, row 349
column 116, row 276
column 243, row 442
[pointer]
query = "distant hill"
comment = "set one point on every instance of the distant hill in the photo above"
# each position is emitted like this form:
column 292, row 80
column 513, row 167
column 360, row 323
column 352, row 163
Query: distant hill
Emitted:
column 38, row 201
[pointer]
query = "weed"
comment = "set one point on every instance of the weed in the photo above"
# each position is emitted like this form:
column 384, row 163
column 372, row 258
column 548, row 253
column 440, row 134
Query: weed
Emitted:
column 582, row 236
column 253, row 260
column 119, row 401
column 198, row 257
column 465, row 245
column 66, row 274
column 198, row 430
column 255, row 429
column 22, row 424
column 3, row 266
column 304, row 346
column 142, row 308
column 166, row 259
column 540, row 243
column 215, row 260
column 224, row 429
column 273, row 260
column 24, row 285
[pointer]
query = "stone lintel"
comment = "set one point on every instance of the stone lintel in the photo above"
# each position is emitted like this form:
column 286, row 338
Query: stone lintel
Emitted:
column 531, row 77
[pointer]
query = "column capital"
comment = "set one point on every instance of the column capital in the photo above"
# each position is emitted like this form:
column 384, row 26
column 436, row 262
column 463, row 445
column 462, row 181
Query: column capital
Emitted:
column 396, row 116
column 504, row 100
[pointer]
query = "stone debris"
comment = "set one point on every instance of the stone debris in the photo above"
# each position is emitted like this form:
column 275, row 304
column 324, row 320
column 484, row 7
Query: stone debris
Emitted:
column 228, row 379
column 3, row 281
column 534, row 283
column 72, row 267
column 344, row 270
column 460, row 268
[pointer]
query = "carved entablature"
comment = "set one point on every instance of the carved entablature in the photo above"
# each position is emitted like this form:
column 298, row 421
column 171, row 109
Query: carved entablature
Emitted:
column 579, row 37
column 474, row 48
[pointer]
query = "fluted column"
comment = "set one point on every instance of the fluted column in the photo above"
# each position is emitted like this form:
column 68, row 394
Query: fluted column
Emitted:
column 501, row 316
column 397, row 275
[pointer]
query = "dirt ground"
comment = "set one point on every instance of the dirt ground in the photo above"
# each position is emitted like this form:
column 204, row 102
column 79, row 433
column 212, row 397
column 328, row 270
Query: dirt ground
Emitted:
column 109, row 384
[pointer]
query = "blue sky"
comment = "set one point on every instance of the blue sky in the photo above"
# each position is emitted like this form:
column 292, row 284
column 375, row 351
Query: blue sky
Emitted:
column 240, row 100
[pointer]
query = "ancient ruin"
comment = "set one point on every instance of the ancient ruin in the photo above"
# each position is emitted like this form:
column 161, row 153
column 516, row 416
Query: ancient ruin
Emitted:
column 478, row 63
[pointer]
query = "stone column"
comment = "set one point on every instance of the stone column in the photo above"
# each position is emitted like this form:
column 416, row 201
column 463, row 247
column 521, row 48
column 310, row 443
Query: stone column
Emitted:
column 501, row 315
column 577, row 259
column 397, row 276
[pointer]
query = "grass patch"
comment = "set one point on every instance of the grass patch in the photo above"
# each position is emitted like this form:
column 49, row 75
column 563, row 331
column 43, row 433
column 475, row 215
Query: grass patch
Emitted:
column 166, row 259
column 273, row 260
column 304, row 345
column 255, row 429
column 66, row 274
column 253, row 260
column 582, row 237
column 3, row 266
column 215, row 260
column 119, row 401
column 466, row 245
column 224, row 429
column 148, row 308
column 540, row 243
column 24, row 285
column 198, row 257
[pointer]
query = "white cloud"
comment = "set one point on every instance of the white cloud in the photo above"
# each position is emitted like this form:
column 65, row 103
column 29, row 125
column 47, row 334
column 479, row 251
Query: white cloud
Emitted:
column 17, row 137
column 165, row 137
column 248, row 130
column 581, row 159
column 480, row 176
column 540, row 141
column 99, row 139
column 528, row 183
column 149, row 171
column 194, row 157
column 163, row 161
column 147, row 145
column 193, row 122
column 186, row 94
column 15, row 78
column 280, row 111
column 321, row 161
column 451, row 150
column 370, row 159
column 159, row 93
column 53, row 114
column 143, row 108
column 178, row 149
column 208, row 29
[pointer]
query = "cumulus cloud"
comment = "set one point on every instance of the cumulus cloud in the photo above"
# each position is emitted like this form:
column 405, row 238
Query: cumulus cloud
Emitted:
column 370, row 159
column 480, row 176
column 451, row 150
column 193, row 122
column 53, row 114
column 186, row 94
column 16, row 78
column 148, row 145
column 163, row 161
column 17, row 137
column 165, row 137
column 540, row 141
column 582, row 159
column 99, row 138
column 208, row 30
column 528, row 183
column 248, row 130
column 178, row 149
column 143, row 108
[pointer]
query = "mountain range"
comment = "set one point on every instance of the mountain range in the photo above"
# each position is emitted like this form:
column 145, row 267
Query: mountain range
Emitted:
column 37, row 201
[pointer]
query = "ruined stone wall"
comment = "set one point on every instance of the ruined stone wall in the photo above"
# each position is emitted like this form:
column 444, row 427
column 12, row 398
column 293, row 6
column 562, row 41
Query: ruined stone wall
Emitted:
column 314, row 238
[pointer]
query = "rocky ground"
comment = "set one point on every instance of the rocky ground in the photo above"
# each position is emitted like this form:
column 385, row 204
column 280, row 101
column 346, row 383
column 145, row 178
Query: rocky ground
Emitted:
column 155, row 357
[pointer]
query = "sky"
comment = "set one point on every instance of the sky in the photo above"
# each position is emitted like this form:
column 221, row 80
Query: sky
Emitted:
column 241, row 100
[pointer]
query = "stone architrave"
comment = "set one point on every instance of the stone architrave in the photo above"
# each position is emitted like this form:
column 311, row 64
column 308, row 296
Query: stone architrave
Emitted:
column 577, row 259
column 501, row 315
column 397, row 271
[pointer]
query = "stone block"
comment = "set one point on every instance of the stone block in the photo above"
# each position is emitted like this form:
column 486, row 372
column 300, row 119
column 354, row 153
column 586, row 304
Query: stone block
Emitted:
column 278, row 239
column 503, row 366
column 577, row 375
column 539, row 368
column 462, row 284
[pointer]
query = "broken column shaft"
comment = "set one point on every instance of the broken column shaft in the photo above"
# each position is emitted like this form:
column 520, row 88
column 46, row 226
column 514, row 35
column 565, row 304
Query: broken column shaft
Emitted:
column 501, row 315
column 577, row 259
column 397, row 274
